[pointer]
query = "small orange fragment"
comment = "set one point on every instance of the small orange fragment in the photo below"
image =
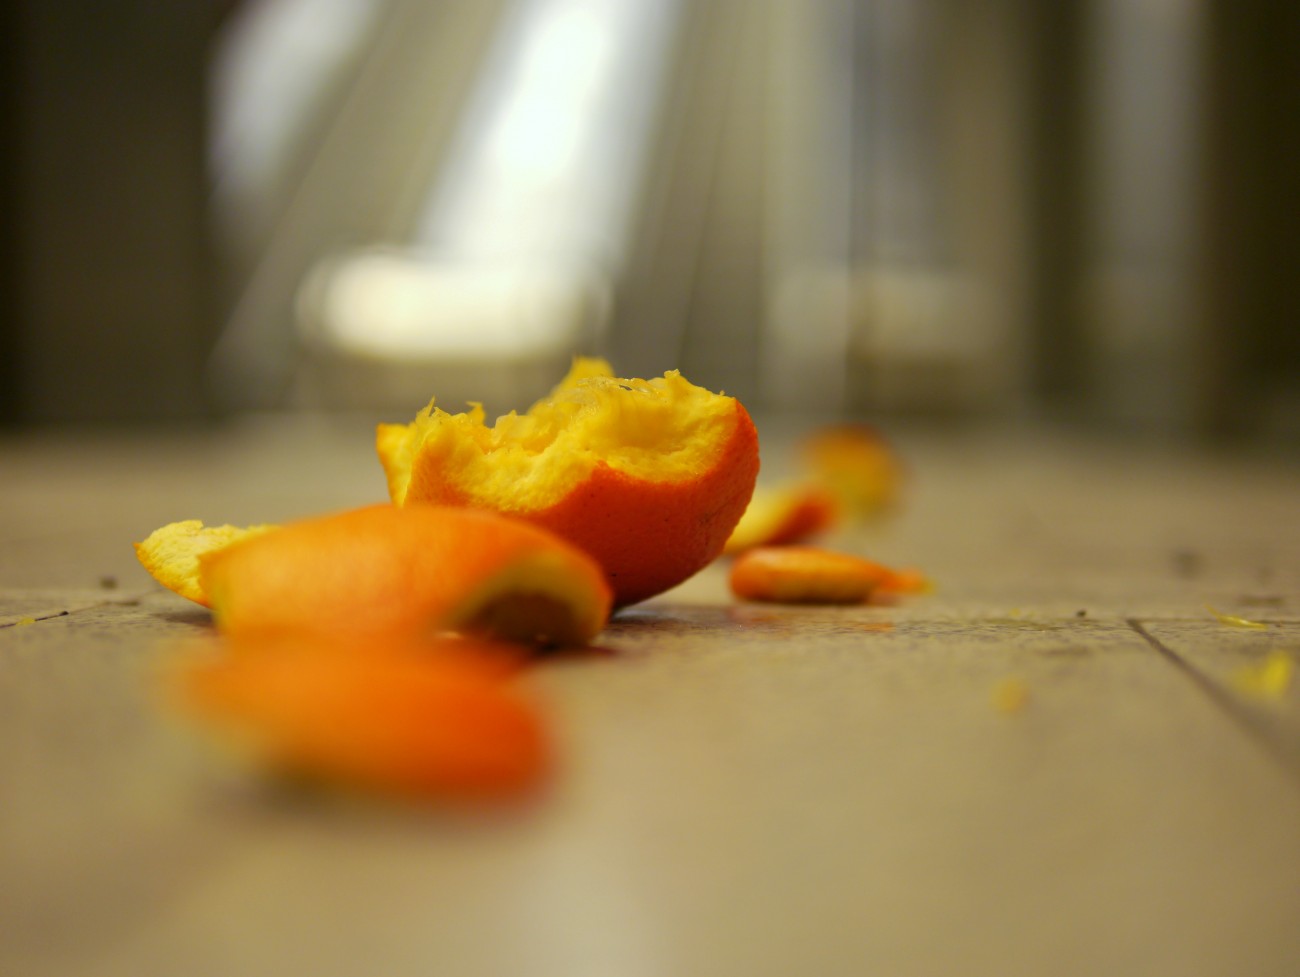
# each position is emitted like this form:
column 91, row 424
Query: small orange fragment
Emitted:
column 783, row 516
column 805, row 575
column 408, row 572
column 1233, row 621
column 858, row 465
column 171, row 553
column 372, row 715
column 1269, row 678
column 1010, row 695
column 648, row 476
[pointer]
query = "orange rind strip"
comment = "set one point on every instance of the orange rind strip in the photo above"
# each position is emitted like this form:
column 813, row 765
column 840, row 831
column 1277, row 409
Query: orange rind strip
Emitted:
column 805, row 575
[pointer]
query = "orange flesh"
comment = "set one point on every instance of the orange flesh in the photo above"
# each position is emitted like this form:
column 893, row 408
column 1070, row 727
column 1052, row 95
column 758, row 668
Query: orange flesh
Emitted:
column 663, row 430
column 648, row 476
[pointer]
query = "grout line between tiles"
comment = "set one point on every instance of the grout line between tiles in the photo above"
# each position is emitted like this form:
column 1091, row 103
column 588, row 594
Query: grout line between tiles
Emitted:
column 34, row 619
column 1285, row 754
column 75, row 607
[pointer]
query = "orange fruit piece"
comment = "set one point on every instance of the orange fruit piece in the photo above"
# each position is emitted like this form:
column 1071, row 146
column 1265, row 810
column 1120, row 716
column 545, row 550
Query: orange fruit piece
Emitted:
column 171, row 553
column 373, row 714
column 782, row 516
column 857, row 465
column 805, row 575
column 648, row 476
column 380, row 570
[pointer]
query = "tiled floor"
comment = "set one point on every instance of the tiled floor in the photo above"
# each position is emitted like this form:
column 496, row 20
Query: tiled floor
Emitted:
column 745, row 790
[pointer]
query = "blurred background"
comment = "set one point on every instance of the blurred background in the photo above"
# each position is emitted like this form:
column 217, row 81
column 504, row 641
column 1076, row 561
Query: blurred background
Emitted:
column 1082, row 211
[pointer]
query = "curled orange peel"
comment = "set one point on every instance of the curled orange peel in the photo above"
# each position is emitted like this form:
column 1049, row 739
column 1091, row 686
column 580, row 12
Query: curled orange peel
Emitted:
column 782, row 516
column 385, row 571
column 171, row 553
column 650, row 477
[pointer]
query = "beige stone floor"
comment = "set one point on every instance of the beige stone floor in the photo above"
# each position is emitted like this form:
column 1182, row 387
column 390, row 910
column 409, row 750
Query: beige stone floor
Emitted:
column 744, row 790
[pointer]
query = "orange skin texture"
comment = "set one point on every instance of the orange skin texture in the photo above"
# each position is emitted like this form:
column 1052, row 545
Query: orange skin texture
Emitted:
column 648, row 536
column 805, row 575
column 374, row 715
column 406, row 573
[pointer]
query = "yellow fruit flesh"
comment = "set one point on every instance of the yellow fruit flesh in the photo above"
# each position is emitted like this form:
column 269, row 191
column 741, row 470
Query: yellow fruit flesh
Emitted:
column 171, row 553
column 661, row 430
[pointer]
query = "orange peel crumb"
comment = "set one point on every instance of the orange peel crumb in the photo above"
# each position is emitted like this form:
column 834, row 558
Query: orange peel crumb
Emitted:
column 650, row 477
column 1233, row 621
column 1010, row 695
column 1269, row 678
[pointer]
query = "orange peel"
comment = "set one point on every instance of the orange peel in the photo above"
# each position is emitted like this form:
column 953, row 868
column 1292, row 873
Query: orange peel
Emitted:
column 650, row 477
column 805, row 575
column 171, row 553
column 783, row 516
column 858, row 465
column 374, row 714
column 394, row 572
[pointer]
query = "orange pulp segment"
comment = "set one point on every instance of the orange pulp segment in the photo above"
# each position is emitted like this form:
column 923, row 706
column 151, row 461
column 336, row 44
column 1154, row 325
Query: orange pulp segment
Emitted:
column 380, row 570
column 648, row 476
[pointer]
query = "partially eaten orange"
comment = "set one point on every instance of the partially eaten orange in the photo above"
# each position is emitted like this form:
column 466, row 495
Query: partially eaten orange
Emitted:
column 647, row 476
column 386, row 715
column 400, row 572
